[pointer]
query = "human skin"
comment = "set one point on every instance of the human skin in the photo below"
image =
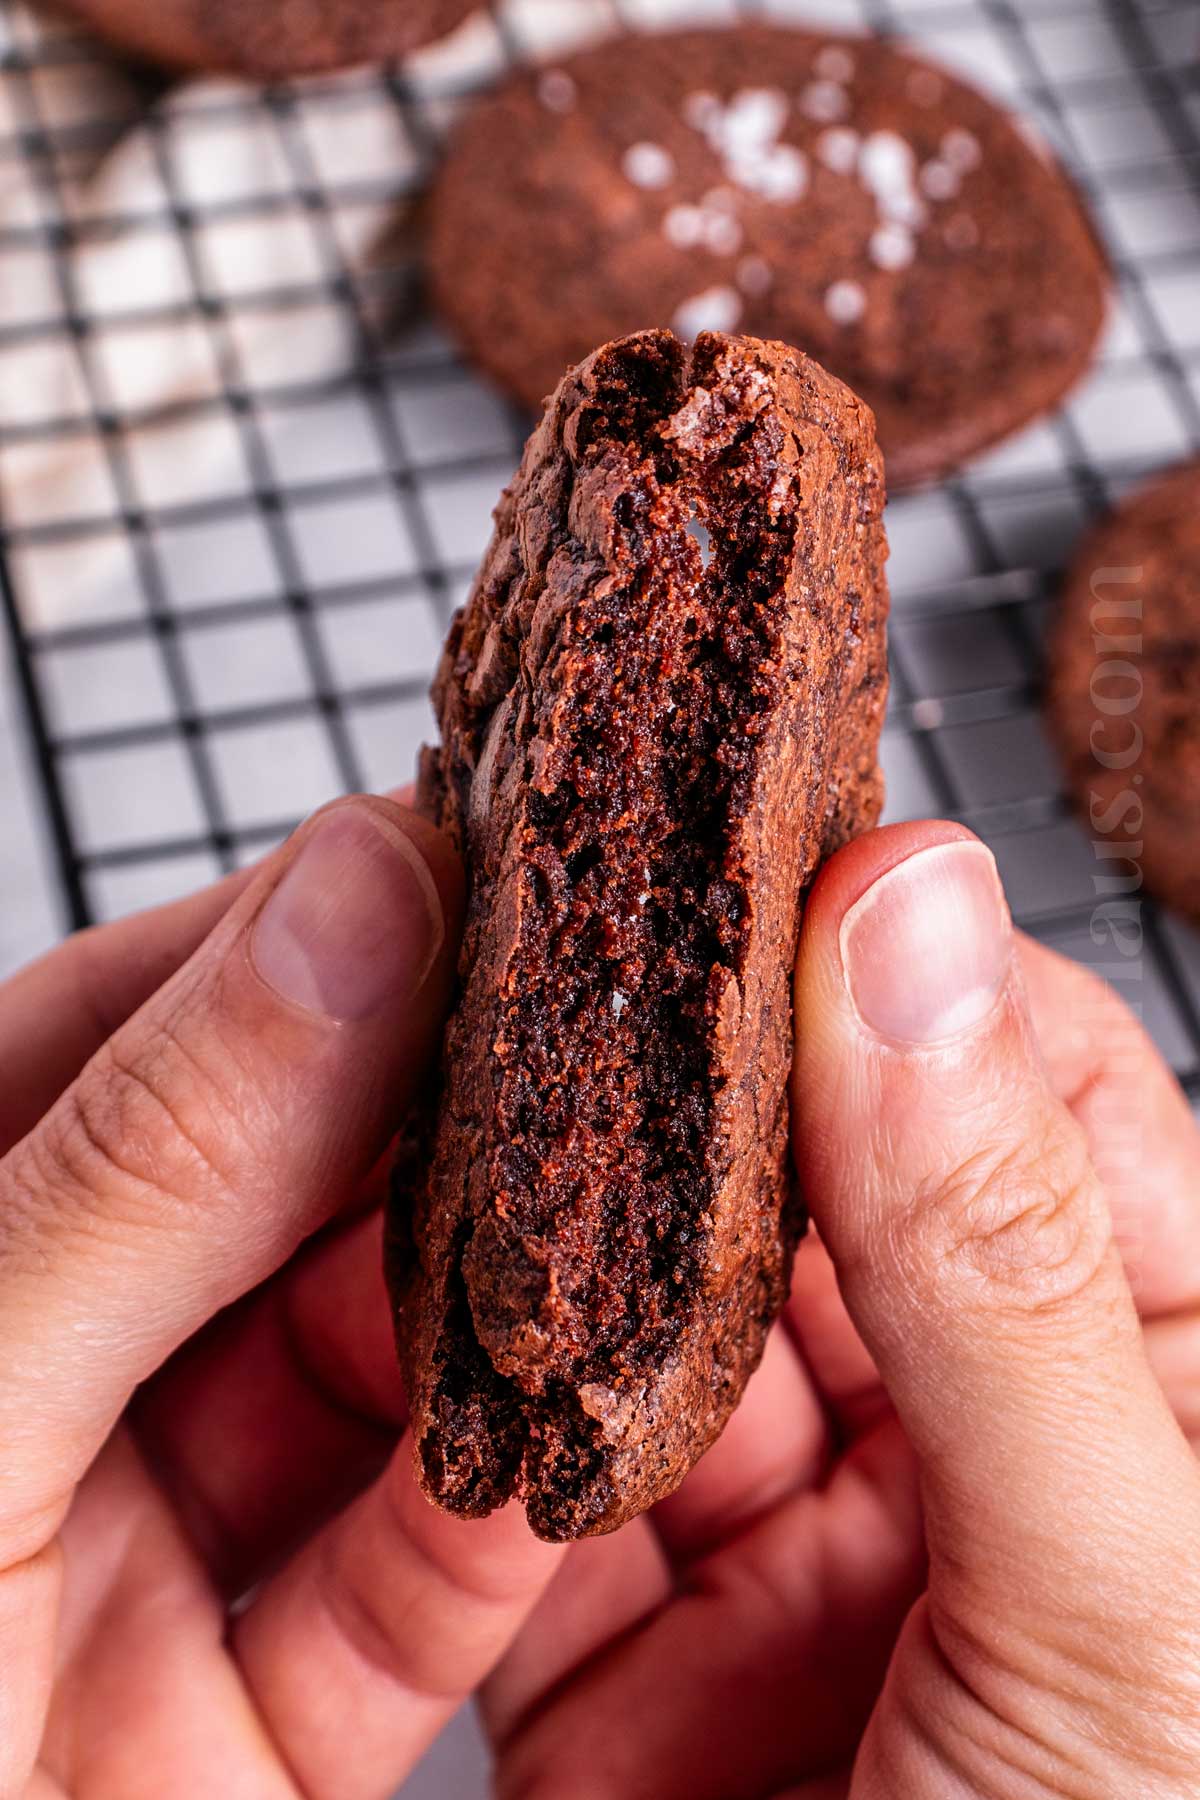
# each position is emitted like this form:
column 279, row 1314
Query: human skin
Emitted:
column 945, row 1548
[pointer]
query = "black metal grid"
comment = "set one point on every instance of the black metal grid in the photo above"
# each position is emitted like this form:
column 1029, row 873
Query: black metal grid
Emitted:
column 1114, row 83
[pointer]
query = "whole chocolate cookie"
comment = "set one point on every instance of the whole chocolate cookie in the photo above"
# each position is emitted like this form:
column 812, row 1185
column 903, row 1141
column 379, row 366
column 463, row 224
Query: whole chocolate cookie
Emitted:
column 271, row 37
column 829, row 191
column 1124, row 688
column 660, row 711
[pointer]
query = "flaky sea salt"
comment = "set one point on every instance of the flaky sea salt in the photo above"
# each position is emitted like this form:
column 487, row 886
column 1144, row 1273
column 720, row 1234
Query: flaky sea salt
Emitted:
column 716, row 309
column 938, row 180
column 891, row 247
column 823, row 102
column 557, row 91
column 722, row 233
column 961, row 149
column 648, row 165
column 779, row 173
column 754, row 275
column 745, row 135
column 754, row 116
column 837, row 148
column 712, row 225
column 886, row 163
column 845, row 302
column 683, row 226
column 834, row 63
column 700, row 109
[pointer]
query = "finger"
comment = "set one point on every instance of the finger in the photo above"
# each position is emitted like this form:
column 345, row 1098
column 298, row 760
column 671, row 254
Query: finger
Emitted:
column 762, row 1671
column 842, row 1368
column 199, row 1146
column 976, row 1257
column 1143, row 1139
column 55, row 1014
column 825, row 1787
column 268, row 1422
column 389, row 1618
column 1171, row 1345
column 776, row 1441
column 144, row 1682
column 603, row 1589
column 215, row 1130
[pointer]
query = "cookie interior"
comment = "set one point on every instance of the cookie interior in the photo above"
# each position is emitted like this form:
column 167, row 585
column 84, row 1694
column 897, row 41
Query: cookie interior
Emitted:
column 606, row 1147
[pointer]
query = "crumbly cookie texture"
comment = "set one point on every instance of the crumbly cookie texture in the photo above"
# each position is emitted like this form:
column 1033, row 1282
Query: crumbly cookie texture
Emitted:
column 832, row 192
column 271, row 37
column 660, row 711
column 1124, row 688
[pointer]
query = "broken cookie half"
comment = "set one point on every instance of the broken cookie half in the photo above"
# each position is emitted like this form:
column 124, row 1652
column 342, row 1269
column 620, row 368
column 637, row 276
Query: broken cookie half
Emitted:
column 660, row 712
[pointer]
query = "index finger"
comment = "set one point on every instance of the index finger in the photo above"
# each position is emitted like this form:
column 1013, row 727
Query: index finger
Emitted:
column 1142, row 1138
column 55, row 1014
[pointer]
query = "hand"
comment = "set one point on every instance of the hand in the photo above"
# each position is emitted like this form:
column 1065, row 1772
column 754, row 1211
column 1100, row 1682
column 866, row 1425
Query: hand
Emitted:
column 187, row 1098
column 775, row 1629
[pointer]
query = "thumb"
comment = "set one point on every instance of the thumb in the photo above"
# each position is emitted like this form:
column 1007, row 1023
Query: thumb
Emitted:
column 976, row 1257
column 234, row 1113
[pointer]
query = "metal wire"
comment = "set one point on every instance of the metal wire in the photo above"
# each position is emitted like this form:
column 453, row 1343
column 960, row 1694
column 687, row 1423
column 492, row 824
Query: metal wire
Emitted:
column 963, row 738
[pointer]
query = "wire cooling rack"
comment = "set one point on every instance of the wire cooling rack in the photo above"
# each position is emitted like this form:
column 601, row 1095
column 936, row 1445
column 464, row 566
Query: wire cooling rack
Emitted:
column 230, row 605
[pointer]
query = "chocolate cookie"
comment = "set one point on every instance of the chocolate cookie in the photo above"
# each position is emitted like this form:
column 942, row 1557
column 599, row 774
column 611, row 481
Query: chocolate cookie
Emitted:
column 829, row 191
column 271, row 37
column 660, row 710
column 1124, row 690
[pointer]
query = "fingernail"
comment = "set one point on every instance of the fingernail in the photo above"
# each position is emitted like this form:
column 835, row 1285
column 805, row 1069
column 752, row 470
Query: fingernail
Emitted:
column 355, row 924
column 926, row 951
